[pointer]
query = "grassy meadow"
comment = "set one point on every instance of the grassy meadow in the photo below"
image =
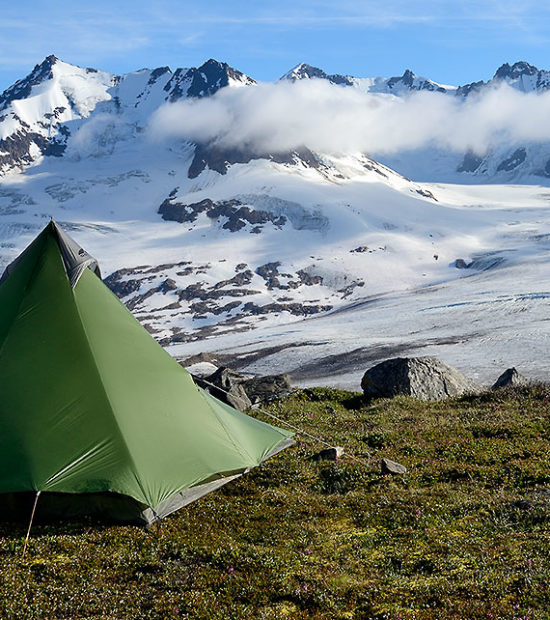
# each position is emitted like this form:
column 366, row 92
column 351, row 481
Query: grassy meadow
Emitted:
column 465, row 534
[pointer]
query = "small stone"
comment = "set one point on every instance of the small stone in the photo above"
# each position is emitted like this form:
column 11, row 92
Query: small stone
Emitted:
column 329, row 454
column 391, row 467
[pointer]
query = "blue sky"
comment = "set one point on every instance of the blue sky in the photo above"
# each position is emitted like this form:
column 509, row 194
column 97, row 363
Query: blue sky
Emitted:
column 451, row 42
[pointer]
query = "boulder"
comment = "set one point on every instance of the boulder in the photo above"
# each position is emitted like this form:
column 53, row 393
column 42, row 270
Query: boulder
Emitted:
column 391, row 467
column 241, row 391
column 226, row 385
column 426, row 378
column 263, row 389
column 510, row 377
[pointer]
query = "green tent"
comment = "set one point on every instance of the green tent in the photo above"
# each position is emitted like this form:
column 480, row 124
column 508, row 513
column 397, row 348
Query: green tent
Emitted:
column 94, row 413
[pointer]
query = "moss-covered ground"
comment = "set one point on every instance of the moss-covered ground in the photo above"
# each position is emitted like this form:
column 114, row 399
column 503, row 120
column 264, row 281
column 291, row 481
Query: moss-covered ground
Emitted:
column 465, row 534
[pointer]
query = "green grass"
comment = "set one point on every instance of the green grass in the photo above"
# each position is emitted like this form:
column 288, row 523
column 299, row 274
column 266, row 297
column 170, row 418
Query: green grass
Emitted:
column 465, row 534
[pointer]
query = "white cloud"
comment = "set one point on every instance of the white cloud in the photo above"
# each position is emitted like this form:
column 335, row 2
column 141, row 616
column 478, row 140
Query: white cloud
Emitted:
column 335, row 119
column 98, row 136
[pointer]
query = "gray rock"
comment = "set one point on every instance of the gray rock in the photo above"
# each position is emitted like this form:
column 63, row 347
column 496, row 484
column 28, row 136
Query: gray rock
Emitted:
column 426, row 378
column 470, row 163
column 226, row 385
column 271, row 387
column 391, row 467
column 241, row 391
column 510, row 377
column 515, row 159
column 329, row 454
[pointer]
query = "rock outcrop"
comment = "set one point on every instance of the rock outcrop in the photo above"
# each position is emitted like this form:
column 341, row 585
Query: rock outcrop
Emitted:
column 264, row 389
column 426, row 378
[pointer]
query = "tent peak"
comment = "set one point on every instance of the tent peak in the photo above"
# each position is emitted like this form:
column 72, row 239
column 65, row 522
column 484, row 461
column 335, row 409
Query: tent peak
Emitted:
column 75, row 258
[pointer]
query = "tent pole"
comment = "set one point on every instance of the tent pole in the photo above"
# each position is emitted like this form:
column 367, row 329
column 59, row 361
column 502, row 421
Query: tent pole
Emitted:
column 30, row 524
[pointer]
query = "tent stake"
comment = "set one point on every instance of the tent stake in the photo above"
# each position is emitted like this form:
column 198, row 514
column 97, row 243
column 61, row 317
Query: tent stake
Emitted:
column 30, row 524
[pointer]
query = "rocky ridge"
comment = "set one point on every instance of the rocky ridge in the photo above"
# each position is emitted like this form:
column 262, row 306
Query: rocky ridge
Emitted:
column 506, row 163
column 154, row 294
column 40, row 113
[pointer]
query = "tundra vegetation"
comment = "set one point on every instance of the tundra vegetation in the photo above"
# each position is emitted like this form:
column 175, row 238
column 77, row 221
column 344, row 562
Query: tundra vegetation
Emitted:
column 464, row 534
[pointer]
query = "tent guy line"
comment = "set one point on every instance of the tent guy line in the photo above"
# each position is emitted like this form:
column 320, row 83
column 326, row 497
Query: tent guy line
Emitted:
column 297, row 429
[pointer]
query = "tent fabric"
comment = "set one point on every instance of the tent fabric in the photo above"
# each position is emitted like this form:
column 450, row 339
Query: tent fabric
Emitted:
column 92, row 404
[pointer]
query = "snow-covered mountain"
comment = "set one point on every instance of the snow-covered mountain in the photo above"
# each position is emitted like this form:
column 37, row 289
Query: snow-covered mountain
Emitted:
column 216, row 247
column 512, row 162
column 508, row 163
column 521, row 76
column 75, row 142
column 408, row 82
column 39, row 113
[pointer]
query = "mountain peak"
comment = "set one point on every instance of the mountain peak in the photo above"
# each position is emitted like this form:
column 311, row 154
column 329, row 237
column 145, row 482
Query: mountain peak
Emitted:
column 213, row 75
column 49, row 60
column 303, row 71
column 407, row 79
column 411, row 81
column 204, row 80
column 213, row 63
column 22, row 88
column 516, row 70
column 43, row 70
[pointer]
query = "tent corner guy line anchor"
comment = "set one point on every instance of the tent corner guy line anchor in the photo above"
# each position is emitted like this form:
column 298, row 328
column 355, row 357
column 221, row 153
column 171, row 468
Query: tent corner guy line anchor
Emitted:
column 30, row 523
